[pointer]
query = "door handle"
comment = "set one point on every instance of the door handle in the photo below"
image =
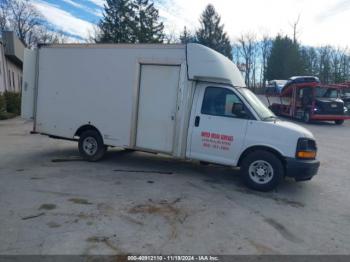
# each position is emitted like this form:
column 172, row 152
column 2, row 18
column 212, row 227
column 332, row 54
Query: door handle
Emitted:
column 196, row 121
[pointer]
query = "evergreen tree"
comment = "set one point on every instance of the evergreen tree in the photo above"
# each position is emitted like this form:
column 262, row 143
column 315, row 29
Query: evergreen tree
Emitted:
column 284, row 60
column 187, row 37
column 147, row 29
column 117, row 24
column 212, row 33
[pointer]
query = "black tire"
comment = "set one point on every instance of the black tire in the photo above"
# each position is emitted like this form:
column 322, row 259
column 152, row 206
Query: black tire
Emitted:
column 339, row 122
column 93, row 149
column 306, row 117
column 259, row 160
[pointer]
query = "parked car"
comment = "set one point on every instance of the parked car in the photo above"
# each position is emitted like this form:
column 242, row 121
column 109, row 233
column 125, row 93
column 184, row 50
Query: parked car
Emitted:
column 275, row 86
column 186, row 101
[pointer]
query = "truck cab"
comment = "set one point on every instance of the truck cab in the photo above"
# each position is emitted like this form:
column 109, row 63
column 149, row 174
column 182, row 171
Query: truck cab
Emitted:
column 231, row 126
column 306, row 99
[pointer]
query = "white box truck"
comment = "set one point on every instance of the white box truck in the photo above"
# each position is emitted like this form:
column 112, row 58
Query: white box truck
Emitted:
column 187, row 101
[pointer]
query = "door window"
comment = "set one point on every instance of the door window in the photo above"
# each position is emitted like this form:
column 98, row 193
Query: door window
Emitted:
column 219, row 101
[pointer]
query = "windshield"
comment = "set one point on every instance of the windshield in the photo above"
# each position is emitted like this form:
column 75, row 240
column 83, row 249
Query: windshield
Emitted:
column 322, row 92
column 259, row 107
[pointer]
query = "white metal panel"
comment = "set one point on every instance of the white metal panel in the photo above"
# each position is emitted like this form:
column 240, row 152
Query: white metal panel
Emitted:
column 279, row 135
column 208, row 65
column 28, row 85
column 157, row 107
column 216, row 139
column 82, row 85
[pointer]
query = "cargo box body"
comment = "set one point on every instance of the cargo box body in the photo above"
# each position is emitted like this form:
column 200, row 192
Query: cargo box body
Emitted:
column 137, row 96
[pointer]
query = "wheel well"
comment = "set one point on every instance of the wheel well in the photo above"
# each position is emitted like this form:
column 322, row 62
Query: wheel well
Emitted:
column 84, row 128
column 264, row 148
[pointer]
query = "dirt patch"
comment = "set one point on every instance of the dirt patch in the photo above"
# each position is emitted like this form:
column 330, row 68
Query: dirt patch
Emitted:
column 282, row 230
column 213, row 181
column 33, row 216
column 47, row 207
column 37, row 178
column 79, row 201
column 289, row 202
column 278, row 200
column 131, row 219
column 53, row 225
column 70, row 159
column 105, row 240
column 105, row 209
column 144, row 171
column 262, row 249
column 56, row 193
column 172, row 214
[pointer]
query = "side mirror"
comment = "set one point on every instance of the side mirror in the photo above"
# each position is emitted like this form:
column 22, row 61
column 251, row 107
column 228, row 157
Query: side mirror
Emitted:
column 238, row 109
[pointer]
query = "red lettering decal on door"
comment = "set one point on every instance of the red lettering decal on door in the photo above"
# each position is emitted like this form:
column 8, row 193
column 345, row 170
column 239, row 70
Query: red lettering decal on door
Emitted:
column 216, row 141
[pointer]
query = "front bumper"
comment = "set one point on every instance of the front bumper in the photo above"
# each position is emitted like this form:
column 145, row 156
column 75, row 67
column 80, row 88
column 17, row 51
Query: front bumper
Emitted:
column 301, row 169
column 329, row 117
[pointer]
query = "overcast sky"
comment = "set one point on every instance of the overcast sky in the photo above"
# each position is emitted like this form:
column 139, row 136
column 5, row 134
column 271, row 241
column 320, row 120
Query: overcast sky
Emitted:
column 321, row 21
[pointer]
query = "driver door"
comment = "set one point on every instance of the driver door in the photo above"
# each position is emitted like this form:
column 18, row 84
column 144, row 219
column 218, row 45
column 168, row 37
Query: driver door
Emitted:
column 216, row 133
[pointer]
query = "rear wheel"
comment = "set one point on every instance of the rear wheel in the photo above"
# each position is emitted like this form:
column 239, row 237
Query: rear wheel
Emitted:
column 91, row 146
column 262, row 170
column 339, row 122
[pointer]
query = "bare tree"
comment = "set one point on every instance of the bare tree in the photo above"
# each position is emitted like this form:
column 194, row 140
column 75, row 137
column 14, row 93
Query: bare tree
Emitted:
column 265, row 49
column 24, row 20
column 94, row 35
column 171, row 37
column 325, row 64
column 4, row 14
column 29, row 25
column 295, row 25
column 247, row 46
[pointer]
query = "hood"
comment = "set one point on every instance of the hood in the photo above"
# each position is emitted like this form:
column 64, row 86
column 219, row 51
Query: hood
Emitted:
column 294, row 127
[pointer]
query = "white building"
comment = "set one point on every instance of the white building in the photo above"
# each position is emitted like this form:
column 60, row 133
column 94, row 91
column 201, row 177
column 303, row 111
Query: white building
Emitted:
column 11, row 62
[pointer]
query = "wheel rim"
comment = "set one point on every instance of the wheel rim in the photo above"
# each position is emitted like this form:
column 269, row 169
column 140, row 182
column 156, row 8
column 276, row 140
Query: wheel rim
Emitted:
column 90, row 146
column 261, row 172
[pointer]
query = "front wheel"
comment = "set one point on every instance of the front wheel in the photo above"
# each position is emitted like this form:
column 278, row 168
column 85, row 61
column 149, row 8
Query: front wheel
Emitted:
column 91, row 146
column 339, row 122
column 262, row 170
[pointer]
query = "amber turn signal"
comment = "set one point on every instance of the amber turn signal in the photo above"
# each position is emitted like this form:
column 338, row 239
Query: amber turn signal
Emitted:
column 307, row 154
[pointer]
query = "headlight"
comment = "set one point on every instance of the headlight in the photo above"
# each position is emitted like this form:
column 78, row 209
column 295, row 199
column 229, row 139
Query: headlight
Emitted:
column 306, row 149
column 345, row 109
column 316, row 109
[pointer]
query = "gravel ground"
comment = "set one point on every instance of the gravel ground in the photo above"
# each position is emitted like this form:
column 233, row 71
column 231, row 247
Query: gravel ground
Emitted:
column 53, row 203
